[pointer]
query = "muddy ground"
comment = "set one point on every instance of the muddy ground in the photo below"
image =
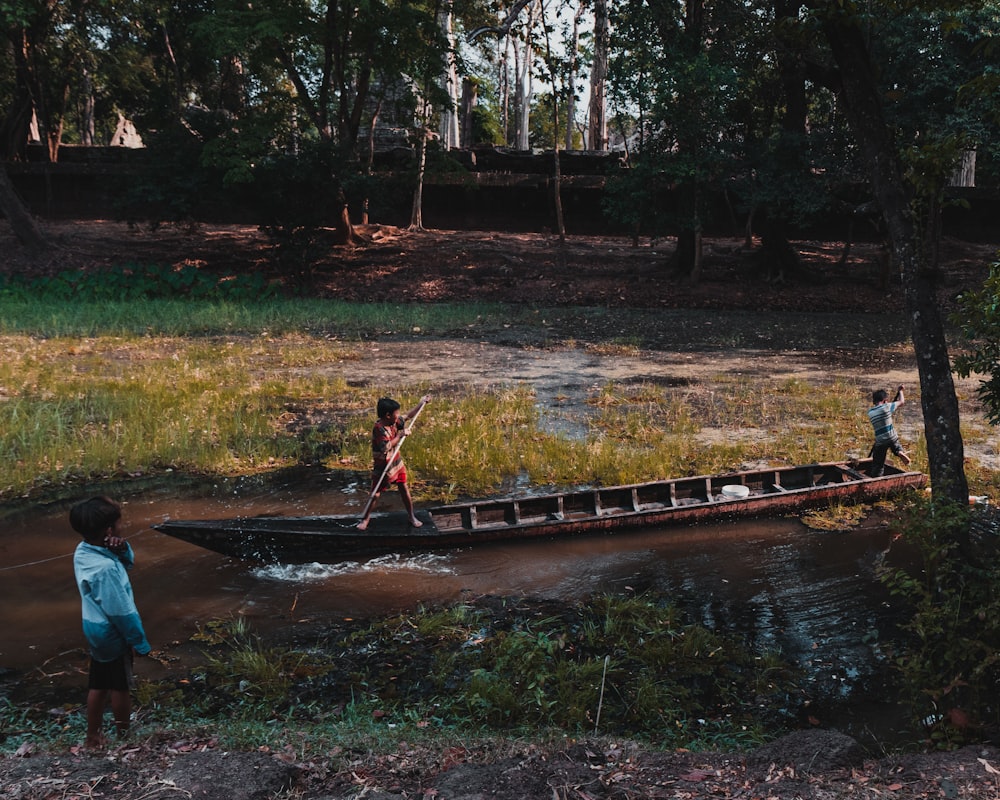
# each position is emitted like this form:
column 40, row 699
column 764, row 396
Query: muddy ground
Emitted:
column 828, row 314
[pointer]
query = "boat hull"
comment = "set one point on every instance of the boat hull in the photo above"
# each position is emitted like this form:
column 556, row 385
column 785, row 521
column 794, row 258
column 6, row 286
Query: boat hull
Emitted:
column 698, row 499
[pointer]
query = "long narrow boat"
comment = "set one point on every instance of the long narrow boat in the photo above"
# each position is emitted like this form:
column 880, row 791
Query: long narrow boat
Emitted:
column 751, row 493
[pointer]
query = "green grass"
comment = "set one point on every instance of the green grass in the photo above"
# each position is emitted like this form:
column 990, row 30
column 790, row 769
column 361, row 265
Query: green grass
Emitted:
column 275, row 316
column 76, row 409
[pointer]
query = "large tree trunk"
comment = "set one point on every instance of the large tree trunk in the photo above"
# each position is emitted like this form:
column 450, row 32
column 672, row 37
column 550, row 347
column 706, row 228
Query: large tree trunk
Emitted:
column 87, row 123
column 597, row 123
column 523, row 91
column 687, row 258
column 557, row 171
column 945, row 452
column 470, row 96
column 21, row 222
column 449, row 128
column 17, row 120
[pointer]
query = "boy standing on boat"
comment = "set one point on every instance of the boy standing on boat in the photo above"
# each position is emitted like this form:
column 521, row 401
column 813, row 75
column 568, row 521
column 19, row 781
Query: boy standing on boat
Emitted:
column 111, row 621
column 886, row 439
column 387, row 462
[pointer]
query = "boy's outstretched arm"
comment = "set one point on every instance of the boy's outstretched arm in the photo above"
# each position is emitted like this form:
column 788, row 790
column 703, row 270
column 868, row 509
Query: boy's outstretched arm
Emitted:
column 416, row 409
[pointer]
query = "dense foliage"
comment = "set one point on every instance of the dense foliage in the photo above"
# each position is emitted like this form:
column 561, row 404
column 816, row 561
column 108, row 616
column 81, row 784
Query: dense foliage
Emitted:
column 741, row 93
column 979, row 318
column 949, row 661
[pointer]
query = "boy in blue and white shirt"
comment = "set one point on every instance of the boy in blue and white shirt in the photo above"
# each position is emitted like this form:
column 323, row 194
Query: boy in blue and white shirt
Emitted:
column 886, row 439
column 111, row 621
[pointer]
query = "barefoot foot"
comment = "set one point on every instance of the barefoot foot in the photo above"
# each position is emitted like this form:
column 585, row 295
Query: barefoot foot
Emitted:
column 363, row 525
column 416, row 523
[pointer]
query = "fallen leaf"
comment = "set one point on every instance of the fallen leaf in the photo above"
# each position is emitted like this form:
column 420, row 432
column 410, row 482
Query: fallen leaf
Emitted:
column 988, row 766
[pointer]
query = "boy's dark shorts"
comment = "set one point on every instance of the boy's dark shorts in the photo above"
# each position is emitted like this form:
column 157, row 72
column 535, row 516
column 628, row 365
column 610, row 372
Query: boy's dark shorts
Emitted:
column 115, row 676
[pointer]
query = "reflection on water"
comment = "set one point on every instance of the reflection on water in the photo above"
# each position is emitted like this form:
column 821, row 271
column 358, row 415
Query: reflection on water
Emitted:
column 811, row 595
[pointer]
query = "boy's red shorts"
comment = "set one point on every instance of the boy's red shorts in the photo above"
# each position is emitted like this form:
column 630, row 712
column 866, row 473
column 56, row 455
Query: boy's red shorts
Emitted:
column 397, row 477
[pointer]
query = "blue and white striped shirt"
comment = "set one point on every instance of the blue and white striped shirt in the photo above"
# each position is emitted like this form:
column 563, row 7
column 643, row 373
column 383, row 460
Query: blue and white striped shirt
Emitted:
column 881, row 419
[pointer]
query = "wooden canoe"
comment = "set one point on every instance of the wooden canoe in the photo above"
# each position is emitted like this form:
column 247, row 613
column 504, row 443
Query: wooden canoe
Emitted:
column 751, row 493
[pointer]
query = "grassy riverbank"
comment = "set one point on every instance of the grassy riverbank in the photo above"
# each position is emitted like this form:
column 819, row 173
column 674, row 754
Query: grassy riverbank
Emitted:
column 497, row 667
column 97, row 390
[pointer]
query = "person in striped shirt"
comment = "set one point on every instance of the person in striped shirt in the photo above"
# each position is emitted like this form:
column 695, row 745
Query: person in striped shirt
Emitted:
column 886, row 438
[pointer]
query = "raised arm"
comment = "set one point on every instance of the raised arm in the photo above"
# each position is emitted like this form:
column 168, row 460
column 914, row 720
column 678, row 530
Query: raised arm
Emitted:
column 416, row 410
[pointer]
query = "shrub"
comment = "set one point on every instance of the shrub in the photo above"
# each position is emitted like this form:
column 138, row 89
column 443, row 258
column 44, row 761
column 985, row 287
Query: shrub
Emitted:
column 950, row 659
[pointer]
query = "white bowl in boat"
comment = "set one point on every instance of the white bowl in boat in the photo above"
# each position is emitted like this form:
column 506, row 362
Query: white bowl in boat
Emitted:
column 735, row 492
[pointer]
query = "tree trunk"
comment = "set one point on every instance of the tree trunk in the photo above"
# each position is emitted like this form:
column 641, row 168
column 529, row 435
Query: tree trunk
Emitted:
column 557, row 193
column 343, row 229
column 17, row 120
column 21, row 222
column 449, row 129
column 574, row 59
column 965, row 173
column 597, row 123
column 557, row 166
column 370, row 162
column 945, row 452
column 54, row 138
column 686, row 260
column 470, row 96
column 87, row 125
column 522, row 96
column 417, row 212
column 504, row 81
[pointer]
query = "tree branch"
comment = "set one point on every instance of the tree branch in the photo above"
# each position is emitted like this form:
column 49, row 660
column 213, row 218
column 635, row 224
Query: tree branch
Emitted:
column 503, row 28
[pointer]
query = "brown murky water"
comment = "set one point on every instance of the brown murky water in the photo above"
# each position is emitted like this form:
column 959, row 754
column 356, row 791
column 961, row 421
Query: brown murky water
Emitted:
column 813, row 595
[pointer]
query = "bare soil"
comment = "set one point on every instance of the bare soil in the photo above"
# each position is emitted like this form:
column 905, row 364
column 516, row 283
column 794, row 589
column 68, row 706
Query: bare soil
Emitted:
column 535, row 269
column 810, row 765
column 396, row 265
